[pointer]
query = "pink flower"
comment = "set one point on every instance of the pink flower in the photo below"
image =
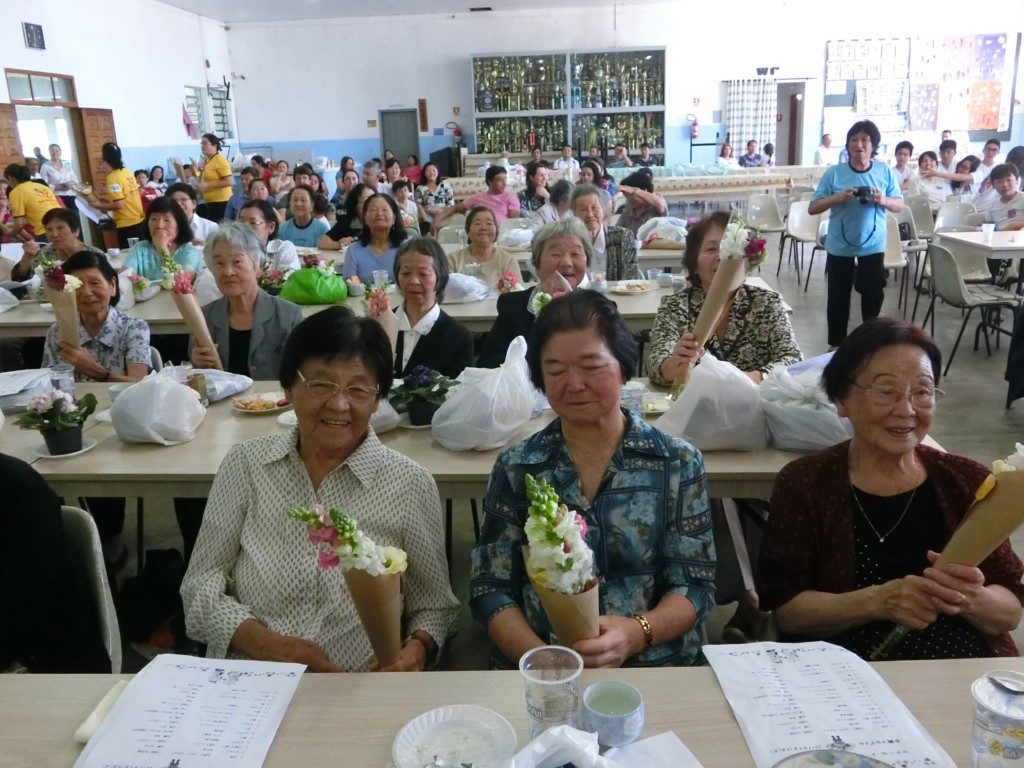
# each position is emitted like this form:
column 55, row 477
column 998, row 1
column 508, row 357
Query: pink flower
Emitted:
column 182, row 284
column 310, row 260
column 581, row 524
column 41, row 403
column 327, row 534
column 556, row 294
column 326, row 559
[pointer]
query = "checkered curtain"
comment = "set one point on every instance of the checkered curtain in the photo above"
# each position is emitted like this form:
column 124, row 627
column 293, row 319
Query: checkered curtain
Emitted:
column 751, row 107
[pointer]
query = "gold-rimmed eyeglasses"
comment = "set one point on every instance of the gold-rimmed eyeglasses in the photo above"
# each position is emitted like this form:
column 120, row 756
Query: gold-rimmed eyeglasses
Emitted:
column 887, row 395
column 325, row 390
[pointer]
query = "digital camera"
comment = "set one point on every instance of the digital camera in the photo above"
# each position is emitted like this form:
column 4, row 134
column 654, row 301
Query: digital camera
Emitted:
column 865, row 195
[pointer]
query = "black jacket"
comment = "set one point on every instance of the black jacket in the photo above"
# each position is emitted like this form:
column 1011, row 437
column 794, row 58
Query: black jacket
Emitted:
column 447, row 349
column 514, row 319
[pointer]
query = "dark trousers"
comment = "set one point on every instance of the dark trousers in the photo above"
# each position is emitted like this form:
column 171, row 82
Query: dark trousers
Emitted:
column 135, row 230
column 215, row 212
column 867, row 275
column 189, row 513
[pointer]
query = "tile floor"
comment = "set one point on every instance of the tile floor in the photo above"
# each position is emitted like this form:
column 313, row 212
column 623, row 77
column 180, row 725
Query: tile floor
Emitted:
column 971, row 420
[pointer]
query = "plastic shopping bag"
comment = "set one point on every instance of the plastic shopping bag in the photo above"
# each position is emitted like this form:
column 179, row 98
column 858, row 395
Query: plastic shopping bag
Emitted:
column 157, row 410
column 719, row 410
column 221, row 384
column 489, row 406
column 311, row 286
column 799, row 414
column 464, row 288
column 385, row 418
column 206, row 288
column 663, row 232
column 7, row 300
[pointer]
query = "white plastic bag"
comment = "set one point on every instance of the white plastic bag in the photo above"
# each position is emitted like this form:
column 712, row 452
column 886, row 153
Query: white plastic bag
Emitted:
column 489, row 406
column 516, row 238
column 385, row 418
column 464, row 288
column 665, row 229
column 221, row 384
column 719, row 409
column 799, row 414
column 157, row 410
column 7, row 300
column 206, row 288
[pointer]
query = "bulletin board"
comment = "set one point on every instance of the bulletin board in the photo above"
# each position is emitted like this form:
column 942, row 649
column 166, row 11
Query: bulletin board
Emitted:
column 922, row 84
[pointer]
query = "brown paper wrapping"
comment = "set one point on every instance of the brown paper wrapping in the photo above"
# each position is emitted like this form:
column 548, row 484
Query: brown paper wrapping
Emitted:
column 728, row 278
column 190, row 312
column 65, row 307
column 378, row 601
column 573, row 617
column 989, row 523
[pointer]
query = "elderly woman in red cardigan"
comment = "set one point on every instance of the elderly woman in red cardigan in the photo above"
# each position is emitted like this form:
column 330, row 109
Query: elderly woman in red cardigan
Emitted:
column 853, row 531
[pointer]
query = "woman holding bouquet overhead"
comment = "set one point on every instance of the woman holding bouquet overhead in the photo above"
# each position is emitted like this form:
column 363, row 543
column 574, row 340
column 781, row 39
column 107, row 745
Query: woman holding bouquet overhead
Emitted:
column 253, row 588
column 640, row 492
column 854, row 530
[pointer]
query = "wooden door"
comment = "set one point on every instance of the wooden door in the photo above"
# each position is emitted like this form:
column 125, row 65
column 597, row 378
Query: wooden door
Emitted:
column 93, row 128
column 97, row 128
column 10, row 144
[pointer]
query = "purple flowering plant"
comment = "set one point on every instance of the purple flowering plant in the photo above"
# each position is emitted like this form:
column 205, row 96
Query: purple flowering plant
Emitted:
column 422, row 385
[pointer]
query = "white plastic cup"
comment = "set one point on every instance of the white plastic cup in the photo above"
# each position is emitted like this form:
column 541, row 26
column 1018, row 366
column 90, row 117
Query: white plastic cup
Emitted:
column 380, row 277
column 652, row 275
column 552, row 675
column 987, row 229
column 614, row 711
column 997, row 738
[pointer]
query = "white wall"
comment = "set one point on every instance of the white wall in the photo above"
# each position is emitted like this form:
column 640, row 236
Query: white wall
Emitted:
column 152, row 51
column 361, row 65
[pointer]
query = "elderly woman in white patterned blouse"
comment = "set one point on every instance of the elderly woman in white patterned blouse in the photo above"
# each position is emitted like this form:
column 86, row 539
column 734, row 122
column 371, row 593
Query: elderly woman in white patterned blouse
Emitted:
column 253, row 587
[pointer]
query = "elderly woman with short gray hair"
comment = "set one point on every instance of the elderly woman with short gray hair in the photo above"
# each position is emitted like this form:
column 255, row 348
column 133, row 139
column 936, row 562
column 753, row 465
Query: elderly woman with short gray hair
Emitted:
column 614, row 247
column 563, row 247
column 248, row 325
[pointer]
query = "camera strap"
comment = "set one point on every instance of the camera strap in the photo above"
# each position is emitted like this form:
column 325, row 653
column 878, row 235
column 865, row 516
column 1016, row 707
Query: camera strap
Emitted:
column 862, row 243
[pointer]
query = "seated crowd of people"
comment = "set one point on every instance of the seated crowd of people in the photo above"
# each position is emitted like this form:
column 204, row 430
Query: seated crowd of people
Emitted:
column 852, row 531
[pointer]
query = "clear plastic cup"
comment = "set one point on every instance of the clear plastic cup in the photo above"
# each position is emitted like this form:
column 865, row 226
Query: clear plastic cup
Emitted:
column 552, row 675
column 62, row 377
column 987, row 229
column 652, row 276
column 380, row 277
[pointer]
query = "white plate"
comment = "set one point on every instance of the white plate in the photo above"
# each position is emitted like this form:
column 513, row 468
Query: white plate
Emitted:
column 88, row 443
column 623, row 290
column 261, row 412
column 833, row 757
column 457, row 734
column 288, row 419
column 404, row 423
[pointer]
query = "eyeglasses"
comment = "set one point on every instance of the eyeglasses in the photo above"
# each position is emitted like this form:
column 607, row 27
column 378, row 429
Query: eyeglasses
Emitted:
column 253, row 222
column 888, row 395
column 325, row 390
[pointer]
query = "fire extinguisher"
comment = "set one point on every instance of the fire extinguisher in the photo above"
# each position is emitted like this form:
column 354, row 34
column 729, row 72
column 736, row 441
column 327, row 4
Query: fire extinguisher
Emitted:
column 694, row 126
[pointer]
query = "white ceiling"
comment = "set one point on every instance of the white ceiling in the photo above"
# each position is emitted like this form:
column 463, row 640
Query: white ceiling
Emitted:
column 230, row 11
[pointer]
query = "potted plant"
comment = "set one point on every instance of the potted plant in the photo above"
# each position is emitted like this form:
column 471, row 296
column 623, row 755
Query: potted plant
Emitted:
column 59, row 417
column 421, row 393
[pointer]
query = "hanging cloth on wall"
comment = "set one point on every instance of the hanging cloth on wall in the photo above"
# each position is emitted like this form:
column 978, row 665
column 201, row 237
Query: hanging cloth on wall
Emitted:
column 751, row 111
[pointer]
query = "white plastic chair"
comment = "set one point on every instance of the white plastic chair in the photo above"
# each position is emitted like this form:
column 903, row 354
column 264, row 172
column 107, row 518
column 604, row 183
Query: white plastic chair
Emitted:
column 763, row 214
column 80, row 532
column 953, row 214
column 818, row 246
column 893, row 258
column 801, row 227
column 449, row 235
column 951, row 288
column 510, row 224
column 921, row 210
column 973, row 266
column 974, row 219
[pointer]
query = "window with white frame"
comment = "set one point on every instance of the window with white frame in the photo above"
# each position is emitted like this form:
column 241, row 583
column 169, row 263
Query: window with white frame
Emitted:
column 194, row 107
column 219, row 110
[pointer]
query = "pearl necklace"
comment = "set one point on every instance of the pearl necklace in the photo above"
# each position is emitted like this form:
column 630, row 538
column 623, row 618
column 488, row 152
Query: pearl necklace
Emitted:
column 880, row 536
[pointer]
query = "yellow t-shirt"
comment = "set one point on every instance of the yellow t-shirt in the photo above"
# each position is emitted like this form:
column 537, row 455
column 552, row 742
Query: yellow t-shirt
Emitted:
column 121, row 185
column 31, row 200
column 217, row 168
